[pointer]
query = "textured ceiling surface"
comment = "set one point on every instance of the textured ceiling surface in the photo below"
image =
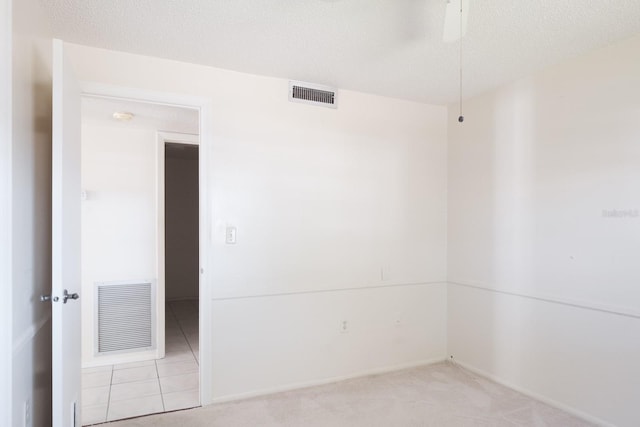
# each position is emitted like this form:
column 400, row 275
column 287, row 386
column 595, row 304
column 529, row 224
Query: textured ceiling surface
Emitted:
column 99, row 111
column 386, row 47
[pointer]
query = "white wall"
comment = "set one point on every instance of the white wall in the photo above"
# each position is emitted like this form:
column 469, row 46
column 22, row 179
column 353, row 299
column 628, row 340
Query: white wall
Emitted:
column 544, row 288
column 5, row 214
column 181, row 225
column 30, row 216
column 328, row 205
column 119, row 169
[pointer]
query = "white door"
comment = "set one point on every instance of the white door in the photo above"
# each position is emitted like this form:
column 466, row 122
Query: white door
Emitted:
column 65, row 202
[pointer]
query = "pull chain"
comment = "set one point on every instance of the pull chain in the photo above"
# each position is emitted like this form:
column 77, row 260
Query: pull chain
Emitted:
column 461, row 117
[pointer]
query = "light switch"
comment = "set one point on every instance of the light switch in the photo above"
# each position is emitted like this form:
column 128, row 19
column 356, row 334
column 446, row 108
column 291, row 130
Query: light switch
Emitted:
column 230, row 235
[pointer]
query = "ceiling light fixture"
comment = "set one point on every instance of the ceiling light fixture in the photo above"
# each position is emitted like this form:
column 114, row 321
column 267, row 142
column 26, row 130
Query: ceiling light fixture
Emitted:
column 123, row 116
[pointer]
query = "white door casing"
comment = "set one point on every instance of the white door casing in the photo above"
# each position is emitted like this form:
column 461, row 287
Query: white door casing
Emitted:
column 204, row 105
column 162, row 138
column 65, row 242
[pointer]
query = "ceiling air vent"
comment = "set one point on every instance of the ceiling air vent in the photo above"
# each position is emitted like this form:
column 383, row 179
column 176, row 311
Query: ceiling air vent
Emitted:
column 309, row 93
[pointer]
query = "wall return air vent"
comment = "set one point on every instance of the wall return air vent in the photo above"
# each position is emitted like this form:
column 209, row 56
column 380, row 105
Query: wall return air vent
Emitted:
column 309, row 93
column 125, row 317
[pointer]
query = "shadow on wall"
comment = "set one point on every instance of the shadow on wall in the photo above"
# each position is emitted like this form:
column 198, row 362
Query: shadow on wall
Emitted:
column 41, row 362
column 542, row 234
column 41, row 356
column 513, row 160
column 40, row 181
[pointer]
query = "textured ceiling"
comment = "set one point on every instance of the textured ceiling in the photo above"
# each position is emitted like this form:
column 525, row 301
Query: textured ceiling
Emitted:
column 387, row 47
column 99, row 111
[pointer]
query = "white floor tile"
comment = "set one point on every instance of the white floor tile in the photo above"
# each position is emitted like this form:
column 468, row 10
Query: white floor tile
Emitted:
column 135, row 407
column 189, row 326
column 96, row 379
column 93, row 414
column 134, row 364
column 175, row 339
column 179, row 383
column 173, row 334
column 171, row 339
column 134, row 374
column 173, row 357
column 132, row 390
column 95, row 369
column 95, row 396
column 177, row 368
column 181, row 400
column 177, row 347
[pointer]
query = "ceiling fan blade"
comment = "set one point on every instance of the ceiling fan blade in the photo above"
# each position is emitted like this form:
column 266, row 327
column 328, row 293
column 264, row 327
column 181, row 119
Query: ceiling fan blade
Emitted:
column 452, row 31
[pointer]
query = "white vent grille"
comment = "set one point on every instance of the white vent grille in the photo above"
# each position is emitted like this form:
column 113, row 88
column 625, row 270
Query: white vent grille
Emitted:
column 310, row 93
column 125, row 316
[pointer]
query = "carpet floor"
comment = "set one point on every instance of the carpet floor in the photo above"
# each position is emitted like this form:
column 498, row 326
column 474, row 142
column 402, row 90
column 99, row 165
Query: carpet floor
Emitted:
column 442, row 394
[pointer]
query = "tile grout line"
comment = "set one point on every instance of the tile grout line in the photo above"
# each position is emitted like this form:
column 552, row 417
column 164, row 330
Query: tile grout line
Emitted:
column 106, row 416
column 156, row 362
column 157, row 373
column 198, row 330
column 180, row 326
column 186, row 340
column 194, row 356
column 184, row 335
column 160, row 387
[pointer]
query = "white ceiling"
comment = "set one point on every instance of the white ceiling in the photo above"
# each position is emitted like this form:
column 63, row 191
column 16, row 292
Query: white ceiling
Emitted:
column 387, row 47
column 147, row 116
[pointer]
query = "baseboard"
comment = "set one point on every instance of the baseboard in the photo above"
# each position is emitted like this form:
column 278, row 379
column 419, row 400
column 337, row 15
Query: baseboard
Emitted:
column 330, row 380
column 533, row 395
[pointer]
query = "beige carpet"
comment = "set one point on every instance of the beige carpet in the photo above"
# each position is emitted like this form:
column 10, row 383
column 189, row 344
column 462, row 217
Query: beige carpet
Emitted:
column 436, row 395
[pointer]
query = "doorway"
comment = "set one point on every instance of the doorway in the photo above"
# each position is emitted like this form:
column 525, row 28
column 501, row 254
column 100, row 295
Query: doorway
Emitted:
column 140, row 258
column 181, row 231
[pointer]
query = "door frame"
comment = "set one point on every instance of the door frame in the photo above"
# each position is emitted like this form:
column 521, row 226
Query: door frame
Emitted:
column 162, row 137
column 6, row 279
column 203, row 105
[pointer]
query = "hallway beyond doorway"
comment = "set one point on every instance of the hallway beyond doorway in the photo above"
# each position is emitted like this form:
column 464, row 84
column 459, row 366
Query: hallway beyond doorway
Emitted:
column 116, row 392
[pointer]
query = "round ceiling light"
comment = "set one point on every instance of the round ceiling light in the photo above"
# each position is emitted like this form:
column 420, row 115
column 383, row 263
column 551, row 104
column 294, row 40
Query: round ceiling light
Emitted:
column 123, row 116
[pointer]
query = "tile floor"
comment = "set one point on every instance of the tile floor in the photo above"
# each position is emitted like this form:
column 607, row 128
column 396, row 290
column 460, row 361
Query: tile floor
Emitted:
column 116, row 392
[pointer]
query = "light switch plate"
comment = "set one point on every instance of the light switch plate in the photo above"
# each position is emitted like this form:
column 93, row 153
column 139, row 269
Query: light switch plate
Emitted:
column 230, row 235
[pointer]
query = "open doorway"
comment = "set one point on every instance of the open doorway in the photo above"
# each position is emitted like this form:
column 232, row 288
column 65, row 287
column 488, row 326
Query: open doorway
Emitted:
column 140, row 259
column 181, row 230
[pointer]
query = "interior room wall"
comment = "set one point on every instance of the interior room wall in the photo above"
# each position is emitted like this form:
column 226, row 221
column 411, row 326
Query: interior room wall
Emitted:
column 30, row 216
column 118, row 215
column 181, row 224
column 340, row 217
column 544, row 233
